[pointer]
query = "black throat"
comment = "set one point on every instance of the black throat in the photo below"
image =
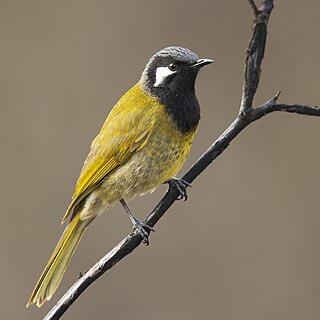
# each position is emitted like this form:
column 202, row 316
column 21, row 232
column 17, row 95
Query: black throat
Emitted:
column 180, row 101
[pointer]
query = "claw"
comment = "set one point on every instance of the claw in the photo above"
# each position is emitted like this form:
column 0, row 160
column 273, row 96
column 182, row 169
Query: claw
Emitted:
column 143, row 230
column 181, row 186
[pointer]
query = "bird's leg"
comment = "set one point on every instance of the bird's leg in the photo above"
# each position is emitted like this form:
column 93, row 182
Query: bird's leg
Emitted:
column 181, row 186
column 142, row 228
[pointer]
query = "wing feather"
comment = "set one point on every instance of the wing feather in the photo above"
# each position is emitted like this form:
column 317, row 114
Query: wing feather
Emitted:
column 123, row 133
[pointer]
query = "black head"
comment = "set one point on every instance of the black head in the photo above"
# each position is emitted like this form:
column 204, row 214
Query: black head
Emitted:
column 170, row 76
column 172, row 68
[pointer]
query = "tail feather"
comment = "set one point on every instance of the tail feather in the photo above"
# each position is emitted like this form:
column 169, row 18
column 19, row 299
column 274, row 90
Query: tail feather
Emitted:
column 56, row 267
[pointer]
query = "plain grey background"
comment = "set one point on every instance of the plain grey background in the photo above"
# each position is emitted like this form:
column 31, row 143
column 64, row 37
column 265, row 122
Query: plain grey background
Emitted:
column 246, row 244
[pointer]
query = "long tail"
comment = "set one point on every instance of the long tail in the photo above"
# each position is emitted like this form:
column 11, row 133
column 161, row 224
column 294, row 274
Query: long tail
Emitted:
column 56, row 267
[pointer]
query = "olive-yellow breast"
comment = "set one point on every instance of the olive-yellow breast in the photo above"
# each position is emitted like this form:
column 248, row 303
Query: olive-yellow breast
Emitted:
column 142, row 144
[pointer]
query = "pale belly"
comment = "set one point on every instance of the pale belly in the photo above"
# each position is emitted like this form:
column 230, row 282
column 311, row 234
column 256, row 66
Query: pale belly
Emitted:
column 144, row 171
column 158, row 161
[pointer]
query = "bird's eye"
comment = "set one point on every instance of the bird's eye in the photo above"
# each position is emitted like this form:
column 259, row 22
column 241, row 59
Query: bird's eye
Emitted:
column 173, row 66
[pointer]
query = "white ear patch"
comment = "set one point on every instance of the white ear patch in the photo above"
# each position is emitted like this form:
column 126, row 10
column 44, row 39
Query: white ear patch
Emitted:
column 161, row 74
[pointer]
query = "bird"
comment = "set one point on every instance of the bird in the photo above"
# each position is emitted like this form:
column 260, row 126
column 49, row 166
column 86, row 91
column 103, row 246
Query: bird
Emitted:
column 142, row 144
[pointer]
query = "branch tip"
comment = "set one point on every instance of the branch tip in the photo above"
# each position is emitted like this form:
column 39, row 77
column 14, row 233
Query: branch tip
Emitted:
column 274, row 99
column 254, row 7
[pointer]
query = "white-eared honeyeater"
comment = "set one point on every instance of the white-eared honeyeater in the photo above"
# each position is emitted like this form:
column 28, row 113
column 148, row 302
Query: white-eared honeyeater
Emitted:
column 142, row 144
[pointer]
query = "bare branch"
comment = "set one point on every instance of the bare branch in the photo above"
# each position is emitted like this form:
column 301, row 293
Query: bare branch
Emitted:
column 246, row 116
column 255, row 53
column 291, row 108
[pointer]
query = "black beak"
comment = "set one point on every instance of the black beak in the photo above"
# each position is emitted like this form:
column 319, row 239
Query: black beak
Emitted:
column 202, row 62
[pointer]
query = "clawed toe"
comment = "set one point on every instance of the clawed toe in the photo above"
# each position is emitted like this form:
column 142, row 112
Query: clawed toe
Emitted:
column 181, row 186
column 140, row 228
column 143, row 230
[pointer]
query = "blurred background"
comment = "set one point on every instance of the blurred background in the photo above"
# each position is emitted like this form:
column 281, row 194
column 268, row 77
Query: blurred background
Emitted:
column 246, row 244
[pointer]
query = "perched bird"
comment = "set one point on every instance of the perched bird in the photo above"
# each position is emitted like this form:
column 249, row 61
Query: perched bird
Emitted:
column 142, row 144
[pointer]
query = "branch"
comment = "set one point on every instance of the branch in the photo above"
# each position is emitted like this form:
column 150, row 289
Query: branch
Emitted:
column 246, row 116
column 255, row 53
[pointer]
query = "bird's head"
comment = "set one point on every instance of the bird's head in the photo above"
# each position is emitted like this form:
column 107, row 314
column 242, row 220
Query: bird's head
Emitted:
column 173, row 69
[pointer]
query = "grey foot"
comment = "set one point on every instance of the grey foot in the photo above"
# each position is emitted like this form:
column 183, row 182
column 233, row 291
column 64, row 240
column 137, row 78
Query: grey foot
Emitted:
column 139, row 227
column 142, row 229
column 181, row 186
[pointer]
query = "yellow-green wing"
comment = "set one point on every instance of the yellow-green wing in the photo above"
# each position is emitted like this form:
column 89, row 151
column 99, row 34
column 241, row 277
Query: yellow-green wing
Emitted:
column 125, row 131
column 102, row 162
